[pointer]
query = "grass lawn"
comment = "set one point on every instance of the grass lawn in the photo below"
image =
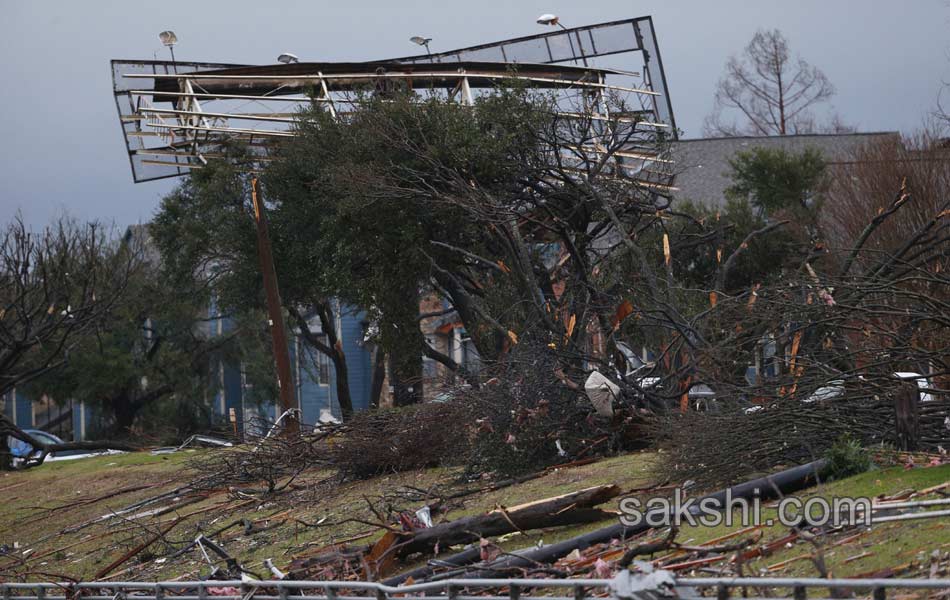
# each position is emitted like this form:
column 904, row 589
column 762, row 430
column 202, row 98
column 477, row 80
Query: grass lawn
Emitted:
column 58, row 519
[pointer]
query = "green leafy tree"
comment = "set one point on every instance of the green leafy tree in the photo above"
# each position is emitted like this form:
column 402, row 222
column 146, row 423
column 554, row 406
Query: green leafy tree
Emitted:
column 205, row 231
column 777, row 181
column 367, row 200
column 510, row 210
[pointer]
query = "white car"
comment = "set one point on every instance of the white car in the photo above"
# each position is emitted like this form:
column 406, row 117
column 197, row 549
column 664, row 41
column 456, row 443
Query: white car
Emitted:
column 835, row 389
column 924, row 387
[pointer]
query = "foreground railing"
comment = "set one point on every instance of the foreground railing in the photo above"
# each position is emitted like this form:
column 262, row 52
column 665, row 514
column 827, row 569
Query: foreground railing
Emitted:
column 626, row 586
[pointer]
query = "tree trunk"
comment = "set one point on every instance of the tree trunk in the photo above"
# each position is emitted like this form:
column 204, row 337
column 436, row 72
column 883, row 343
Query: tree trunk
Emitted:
column 907, row 416
column 126, row 406
column 124, row 411
column 333, row 349
column 405, row 376
column 342, row 381
column 379, row 375
column 6, row 459
column 568, row 509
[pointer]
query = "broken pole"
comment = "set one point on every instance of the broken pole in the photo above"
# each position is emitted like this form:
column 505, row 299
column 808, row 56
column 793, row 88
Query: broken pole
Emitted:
column 274, row 311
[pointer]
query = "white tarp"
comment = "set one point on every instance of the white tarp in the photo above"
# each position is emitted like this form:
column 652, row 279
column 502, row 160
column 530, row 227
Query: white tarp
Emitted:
column 601, row 392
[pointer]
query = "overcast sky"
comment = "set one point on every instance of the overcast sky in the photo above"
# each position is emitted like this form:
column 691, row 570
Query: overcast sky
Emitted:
column 63, row 147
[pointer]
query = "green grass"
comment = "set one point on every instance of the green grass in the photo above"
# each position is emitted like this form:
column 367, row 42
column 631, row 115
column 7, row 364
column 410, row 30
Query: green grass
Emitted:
column 887, row 544
column 25, row 518
column 28, row 494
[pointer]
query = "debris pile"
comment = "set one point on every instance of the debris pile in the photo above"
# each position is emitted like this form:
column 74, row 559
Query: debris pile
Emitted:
column 428, row 525
column 787, row 432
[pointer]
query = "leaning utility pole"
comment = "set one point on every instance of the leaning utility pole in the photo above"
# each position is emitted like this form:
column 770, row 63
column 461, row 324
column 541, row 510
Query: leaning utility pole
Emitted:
column 276, row 321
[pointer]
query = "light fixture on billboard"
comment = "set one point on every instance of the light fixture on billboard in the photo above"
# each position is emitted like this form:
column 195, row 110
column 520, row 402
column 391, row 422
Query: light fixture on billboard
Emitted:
column 169, row 39
column 421, row 41
column 551, row 20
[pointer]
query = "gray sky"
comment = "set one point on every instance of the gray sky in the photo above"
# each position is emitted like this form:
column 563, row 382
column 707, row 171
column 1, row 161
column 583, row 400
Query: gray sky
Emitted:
column 64, row 148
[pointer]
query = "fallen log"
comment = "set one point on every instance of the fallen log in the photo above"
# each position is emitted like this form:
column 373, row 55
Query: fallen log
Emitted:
column 568, row 509
column 9, row 428
column 458, row 560
column 769, row 487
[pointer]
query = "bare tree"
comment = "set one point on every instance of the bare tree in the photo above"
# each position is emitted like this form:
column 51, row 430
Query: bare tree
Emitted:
column 55, row 286
column 771, row 92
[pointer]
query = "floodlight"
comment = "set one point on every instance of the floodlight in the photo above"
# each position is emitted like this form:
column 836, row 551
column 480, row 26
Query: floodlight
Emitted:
column 168, row 38
column 422, row 41
column 549, row 19
column 287, row 58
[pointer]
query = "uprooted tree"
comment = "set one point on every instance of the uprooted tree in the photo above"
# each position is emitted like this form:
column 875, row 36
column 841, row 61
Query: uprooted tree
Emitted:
column 854, row 318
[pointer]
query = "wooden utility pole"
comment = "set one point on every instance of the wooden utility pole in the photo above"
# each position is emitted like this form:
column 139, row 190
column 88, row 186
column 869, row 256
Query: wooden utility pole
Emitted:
column 278, row 334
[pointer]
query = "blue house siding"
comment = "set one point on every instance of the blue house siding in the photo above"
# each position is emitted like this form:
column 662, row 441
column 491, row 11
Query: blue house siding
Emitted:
column 316, row 398
column 319, row 398
column 357, row 357
column 19, row 409
column 24, row 410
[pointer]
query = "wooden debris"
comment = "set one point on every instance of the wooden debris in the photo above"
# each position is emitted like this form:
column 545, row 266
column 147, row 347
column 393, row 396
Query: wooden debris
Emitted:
column 134, row 551
column 851, row 559
column 567, row 509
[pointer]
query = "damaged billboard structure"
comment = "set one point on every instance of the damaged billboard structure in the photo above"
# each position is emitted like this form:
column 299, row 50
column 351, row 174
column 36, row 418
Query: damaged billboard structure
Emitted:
column 176, row 115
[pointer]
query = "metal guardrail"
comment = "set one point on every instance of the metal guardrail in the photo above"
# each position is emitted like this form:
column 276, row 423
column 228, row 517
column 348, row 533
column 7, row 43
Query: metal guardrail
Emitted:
column 626, row 586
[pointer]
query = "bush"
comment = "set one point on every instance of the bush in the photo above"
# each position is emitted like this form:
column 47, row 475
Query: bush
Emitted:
column 847, row 457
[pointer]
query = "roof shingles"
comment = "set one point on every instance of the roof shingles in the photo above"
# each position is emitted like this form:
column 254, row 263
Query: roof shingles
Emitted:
column 703, row 164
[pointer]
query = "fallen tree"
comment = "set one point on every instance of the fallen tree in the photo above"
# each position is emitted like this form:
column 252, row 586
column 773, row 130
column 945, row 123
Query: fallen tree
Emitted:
column 42, row 449
column 787, row 432
column 766, row 488
column 567, row 509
